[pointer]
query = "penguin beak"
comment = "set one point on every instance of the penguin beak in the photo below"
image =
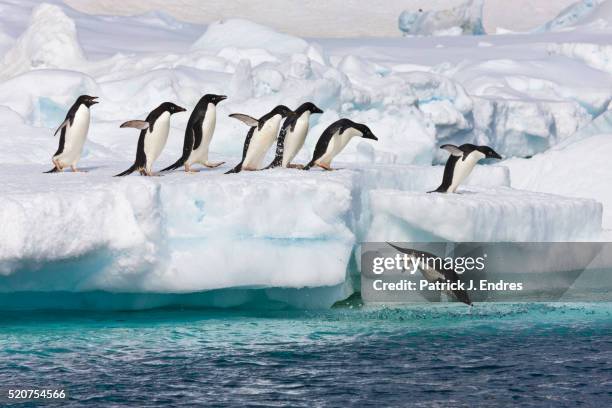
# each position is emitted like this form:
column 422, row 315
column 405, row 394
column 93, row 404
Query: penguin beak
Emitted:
column 221, row 98
column 93, row 100
column 317, row 110
column 370, row 136
column 181, row 109
column 494, row 155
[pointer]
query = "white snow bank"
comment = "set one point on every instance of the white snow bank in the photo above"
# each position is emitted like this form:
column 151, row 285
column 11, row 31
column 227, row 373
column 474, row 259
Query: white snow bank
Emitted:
column 465, row 19
column 241, row 33
column 579, row 169
column 50, row 41
column 477, row 214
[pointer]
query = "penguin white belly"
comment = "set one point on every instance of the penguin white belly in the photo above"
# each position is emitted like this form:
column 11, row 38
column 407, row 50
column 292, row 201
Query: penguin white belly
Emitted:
column 200, row 155
column 75, row 138
column 463, row 168
column 295, row 140
column 261, row 141
column 336, row 144
column 156, row 140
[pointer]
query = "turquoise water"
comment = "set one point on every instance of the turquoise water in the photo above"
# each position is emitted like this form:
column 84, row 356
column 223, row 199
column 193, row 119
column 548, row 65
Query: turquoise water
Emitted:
column 426, row 355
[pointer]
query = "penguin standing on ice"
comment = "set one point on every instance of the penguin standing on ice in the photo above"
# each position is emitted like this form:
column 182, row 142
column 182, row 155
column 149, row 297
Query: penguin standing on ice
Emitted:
column 261, row 136
column 153, row 136
column 73, row 132
column 460, row 164
column 292, row 135
column 334, row 139
column 199, row 133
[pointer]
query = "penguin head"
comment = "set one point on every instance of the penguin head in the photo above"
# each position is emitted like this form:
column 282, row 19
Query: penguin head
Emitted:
column 488, row 152
column 87, row 100
column 171, row 108
column 366, row 133
column 281, row 110
column 308, row 107
column 214, row 99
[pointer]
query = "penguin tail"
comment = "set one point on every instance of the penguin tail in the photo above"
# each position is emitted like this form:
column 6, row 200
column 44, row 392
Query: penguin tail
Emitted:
column 309, row 165
column 437, row 190
column 53, row 170
column 176, row 164
column 236, row 169
column 128, row 171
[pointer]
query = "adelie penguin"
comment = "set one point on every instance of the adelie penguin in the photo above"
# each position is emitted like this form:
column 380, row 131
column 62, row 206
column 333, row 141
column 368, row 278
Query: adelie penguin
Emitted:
column 292, row 135
column 460, row 164
column 334, row 139
column 198, row 134
column 153, row 136
column 262, row 134
column 73, row 133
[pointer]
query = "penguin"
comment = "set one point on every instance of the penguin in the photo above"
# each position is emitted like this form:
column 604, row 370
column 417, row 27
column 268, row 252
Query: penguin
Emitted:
column 432, row 274
column 261, row 136
column 460, row 164
column 334, row 139
column 73, row 132
column 292, row 135
column 198, row 134
column 153, row 136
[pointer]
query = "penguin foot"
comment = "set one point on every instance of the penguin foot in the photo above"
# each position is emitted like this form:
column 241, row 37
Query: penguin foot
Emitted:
column 249, row 169
column 75, row 170
column 188, row 170
column 213, row 165
column 296, row 166
column 326, row 167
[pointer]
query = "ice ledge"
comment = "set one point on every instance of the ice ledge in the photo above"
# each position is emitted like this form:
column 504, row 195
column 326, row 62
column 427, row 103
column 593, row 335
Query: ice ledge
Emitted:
column 477, row 214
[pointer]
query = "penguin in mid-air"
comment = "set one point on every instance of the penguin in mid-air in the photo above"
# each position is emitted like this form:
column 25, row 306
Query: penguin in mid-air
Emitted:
column 261, row 136
column 292, row 135
column 435, row 274
column 334, row 139
column 198, row 134
column 460, row 164
column 153, row 136
column 73, row 132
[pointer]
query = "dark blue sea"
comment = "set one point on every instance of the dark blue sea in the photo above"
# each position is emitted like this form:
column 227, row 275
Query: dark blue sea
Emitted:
column 438, row 355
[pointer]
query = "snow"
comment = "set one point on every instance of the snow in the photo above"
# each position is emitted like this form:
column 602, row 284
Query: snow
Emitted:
column 578, row 169
column 291, row 234
column 461, row 20
column 241, row 33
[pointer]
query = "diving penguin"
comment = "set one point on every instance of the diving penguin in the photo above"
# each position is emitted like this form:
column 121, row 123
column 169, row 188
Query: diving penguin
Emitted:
column 292, row 135
column 261, row 136
column 153, row 136
column 199, row 133
column 73, row 132
column 434, row 274
column 334, row 139
column 460, row 164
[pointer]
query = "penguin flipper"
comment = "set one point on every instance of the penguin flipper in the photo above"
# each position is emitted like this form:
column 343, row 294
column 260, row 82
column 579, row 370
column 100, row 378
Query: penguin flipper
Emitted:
column 63, row 125
column 138, row 124
column 246, row 119
column 452, row 149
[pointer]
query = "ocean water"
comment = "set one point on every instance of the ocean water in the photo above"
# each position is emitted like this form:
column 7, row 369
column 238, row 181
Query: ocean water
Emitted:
column 424, row 355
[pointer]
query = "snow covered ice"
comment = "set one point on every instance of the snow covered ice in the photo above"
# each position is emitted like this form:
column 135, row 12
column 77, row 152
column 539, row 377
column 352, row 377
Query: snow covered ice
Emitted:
column 541, row 99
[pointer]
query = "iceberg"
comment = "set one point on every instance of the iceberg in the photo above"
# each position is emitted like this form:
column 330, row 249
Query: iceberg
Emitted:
column 465, row 19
